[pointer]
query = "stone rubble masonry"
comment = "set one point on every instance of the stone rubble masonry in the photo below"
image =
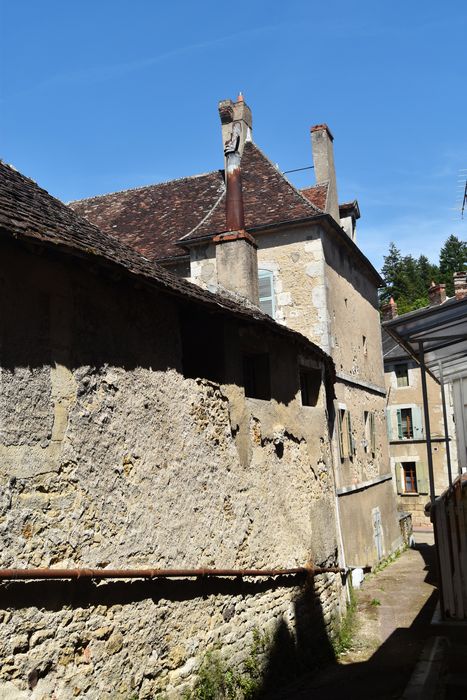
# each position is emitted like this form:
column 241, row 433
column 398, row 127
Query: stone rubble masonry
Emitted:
column 110, row 457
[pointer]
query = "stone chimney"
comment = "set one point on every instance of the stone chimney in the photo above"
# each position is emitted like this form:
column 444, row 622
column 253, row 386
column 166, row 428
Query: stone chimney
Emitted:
column 236, row 250
column 323, row 160
column 460, row 285
column 437, row 294
column 236, row 112
column 389, row 310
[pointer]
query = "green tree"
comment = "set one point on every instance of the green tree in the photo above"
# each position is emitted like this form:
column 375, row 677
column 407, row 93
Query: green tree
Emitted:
column 452, row 258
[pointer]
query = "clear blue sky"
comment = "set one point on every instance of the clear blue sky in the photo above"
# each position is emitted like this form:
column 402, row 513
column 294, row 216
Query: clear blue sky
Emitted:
column 105, row 95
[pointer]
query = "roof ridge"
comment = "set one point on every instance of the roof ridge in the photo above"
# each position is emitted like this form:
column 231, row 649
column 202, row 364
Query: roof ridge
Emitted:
column 143, row 187
column 286, row 180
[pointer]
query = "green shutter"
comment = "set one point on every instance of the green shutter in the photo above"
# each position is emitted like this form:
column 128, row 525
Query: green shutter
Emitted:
column 417, row 422
column 399, row 423
column 399, row 478
column 422, row 477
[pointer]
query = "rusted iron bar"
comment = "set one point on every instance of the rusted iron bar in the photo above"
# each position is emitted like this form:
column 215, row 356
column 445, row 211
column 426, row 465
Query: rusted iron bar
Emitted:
column 43, row 573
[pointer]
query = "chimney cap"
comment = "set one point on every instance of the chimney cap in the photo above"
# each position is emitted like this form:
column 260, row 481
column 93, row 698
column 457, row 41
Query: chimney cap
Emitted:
column 322, row 127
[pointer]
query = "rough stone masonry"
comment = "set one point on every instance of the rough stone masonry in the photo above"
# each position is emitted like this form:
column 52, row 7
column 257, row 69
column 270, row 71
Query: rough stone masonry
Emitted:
column 113, row 455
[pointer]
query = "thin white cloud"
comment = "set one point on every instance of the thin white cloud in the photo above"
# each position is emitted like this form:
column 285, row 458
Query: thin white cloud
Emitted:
column 98, row 74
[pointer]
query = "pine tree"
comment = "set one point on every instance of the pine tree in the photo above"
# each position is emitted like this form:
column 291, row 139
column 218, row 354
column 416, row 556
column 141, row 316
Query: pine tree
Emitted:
column 452, row 258
column 390, row 272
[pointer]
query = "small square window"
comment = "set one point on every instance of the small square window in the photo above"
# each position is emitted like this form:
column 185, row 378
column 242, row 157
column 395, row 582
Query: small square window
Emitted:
column 402, row 375
column 310, row 384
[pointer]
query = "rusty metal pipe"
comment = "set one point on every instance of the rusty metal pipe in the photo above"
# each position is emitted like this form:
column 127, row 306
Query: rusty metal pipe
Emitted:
column 75, row 574
column 234, row 213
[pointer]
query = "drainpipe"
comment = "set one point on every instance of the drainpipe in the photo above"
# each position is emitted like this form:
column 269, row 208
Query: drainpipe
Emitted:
column 75, row 574
column 236, row 250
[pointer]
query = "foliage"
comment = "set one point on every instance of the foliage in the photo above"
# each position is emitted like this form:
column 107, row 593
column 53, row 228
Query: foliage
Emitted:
column 375, row 602
column 407, row 279
column 343, row 639
column 217, row 681
column 452, row 258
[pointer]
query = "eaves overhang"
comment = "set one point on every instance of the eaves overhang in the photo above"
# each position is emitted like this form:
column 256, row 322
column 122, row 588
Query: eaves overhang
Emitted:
column 439, row 334
column 325, row 219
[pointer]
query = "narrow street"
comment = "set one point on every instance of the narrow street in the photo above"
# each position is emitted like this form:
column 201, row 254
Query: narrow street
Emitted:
column 392, row 625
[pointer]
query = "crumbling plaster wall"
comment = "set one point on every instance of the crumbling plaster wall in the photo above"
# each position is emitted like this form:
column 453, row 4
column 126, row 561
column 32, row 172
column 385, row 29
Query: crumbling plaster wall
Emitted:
column 110, row 457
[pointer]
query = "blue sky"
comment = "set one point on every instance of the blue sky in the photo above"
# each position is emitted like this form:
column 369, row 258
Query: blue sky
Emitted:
column 106, row 95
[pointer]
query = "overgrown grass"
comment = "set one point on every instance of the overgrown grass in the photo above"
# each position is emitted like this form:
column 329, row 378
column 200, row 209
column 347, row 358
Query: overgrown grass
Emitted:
column 217, row 681
column 342, row 640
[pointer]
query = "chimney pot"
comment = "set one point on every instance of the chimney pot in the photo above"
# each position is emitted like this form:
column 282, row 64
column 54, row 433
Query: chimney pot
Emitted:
column 460, row 285
column 389, row 310
column 232, row 113
column 437, row 294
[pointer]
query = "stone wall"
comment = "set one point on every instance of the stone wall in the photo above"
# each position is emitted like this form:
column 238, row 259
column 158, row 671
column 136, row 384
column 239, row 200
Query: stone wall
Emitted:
column 111, row 457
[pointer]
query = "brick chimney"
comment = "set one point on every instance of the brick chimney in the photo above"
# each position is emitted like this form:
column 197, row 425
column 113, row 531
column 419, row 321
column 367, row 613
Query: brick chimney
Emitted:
column 323, row 160
column 437, row 294
column 236, row 112
column 460, row 285
column 389, row 310
column 236, row 250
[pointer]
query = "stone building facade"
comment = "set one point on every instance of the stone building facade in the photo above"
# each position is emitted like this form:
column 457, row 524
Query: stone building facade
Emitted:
column 141, row 426
column 406, row 425
column 313, row 278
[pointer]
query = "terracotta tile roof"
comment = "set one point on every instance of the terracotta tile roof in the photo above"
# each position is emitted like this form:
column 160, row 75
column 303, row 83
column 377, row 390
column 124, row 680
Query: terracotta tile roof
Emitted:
column 152, row 219
column 29, row 213
column 317, row 195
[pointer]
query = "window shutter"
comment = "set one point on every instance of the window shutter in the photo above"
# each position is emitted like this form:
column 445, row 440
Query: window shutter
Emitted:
column 350, row 436
column 399, row 423
column 266, row 291
column 389, row 423
column 422, row 477
column 372, row 433
column 399, row 478
column 340, row 434
column 417, row 422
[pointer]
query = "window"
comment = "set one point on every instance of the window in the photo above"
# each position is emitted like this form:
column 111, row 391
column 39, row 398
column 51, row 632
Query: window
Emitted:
column 266, row 291
column 344, row 427
column 370, row 432
column 310, row 384
column 202, row 337
column 405, row 423
column 256, row 376
column 412, row 477
column 402, row 375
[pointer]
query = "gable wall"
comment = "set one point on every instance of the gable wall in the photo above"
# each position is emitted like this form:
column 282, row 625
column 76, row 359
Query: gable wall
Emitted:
column 110, row 457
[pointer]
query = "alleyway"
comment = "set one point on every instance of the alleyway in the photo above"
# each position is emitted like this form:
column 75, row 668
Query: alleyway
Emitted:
column 392, row 625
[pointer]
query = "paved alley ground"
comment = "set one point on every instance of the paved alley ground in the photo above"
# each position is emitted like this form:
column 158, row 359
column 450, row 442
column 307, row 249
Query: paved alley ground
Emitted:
column 392, row 624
